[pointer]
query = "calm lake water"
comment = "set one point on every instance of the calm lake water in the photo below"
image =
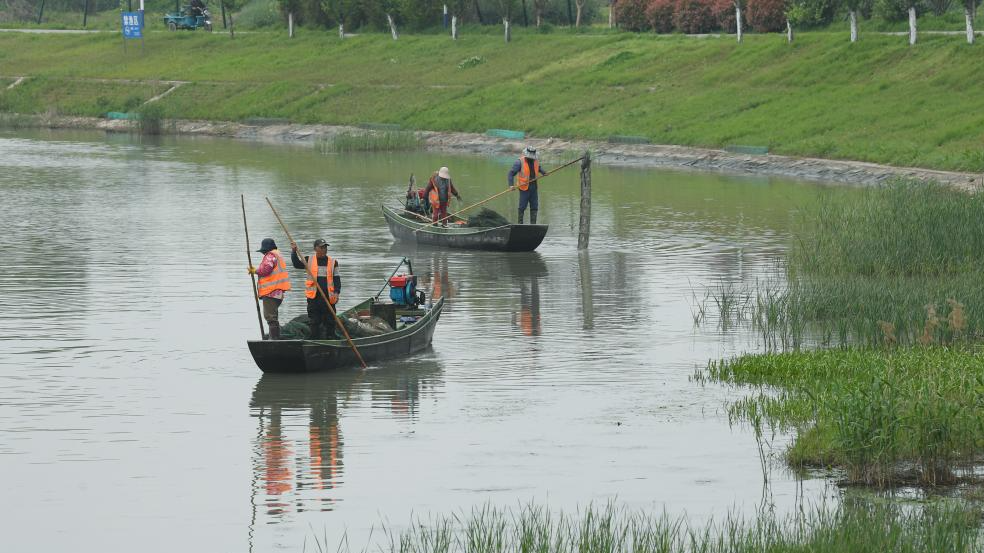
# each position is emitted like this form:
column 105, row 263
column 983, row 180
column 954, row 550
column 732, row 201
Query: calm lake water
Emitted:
column 132, row 416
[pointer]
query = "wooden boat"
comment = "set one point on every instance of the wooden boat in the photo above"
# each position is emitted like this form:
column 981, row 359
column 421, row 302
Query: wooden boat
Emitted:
column 293, row 356
column 409, row 227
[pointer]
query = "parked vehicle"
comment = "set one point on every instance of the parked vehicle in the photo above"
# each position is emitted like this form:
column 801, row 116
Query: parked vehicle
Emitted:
column 189, row 18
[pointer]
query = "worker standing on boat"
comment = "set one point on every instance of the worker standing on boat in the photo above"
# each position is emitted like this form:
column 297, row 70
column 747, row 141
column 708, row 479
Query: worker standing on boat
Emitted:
column 439, row 190
column 323, row 270
column 525, row 170
column 273, row 284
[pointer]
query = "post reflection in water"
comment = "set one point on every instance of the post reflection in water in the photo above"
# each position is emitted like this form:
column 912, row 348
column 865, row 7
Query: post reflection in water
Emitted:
column 298, row 449
column 587, row 303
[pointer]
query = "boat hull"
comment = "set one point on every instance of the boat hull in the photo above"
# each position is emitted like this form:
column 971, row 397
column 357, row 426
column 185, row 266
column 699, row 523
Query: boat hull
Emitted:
column 300, row 356
column 507, row 238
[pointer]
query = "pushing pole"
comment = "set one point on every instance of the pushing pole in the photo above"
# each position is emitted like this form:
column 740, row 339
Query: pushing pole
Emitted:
column 249, row 260
column 506, row 191
column 331, row 308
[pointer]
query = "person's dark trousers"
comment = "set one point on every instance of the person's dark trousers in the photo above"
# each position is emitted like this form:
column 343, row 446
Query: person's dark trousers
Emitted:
column 530, row 198
column 322, row 323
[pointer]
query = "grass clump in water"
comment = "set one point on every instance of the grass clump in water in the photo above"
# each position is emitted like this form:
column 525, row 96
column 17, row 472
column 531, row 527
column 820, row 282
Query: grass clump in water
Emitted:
column 909, row 415
column 859, row 527
column 899, row 264
column 370, row 141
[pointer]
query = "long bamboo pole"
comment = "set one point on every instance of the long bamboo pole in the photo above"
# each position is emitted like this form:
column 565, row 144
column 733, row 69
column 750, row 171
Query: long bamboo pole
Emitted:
column 331, row 309
column 506, row 191
column 249, row 259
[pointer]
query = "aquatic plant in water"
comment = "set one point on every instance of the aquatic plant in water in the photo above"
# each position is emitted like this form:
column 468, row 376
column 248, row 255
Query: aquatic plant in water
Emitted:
column 856, row 526
column 902, row 415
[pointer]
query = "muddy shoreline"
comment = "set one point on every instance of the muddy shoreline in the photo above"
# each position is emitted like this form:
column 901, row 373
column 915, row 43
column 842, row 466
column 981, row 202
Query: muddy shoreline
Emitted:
column 644, row 156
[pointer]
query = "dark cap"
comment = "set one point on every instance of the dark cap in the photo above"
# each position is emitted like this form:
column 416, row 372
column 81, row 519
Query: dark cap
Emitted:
column 320, row 242
column 267, row 245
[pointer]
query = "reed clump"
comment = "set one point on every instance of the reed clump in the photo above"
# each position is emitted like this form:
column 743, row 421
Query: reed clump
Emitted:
column 887, row 416
column 856, row 526
column 892, row 265
column 369, row 141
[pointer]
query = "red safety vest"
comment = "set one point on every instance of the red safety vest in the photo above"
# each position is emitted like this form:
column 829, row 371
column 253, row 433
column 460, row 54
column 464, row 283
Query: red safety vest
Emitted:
column 314, row 271
column 524, row 177
column 278, row 279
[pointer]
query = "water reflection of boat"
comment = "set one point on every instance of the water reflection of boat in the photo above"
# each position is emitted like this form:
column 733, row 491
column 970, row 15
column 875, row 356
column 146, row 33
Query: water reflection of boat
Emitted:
column 283, row 356
column 298, row 459
column 509, row 238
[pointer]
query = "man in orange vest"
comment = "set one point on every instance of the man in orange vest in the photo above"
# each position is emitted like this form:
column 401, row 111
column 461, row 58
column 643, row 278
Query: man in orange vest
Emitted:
column 323, row 270
column 274, row 282
column 526, row 169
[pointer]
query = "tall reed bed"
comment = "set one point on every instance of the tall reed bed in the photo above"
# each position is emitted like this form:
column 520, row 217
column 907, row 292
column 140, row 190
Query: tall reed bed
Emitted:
column 897, row 264
column 854, row 527
column 369, row 141
column 907, row 415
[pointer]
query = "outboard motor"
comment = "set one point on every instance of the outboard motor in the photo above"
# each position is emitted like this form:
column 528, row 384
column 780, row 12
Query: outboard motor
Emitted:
column 403, row 289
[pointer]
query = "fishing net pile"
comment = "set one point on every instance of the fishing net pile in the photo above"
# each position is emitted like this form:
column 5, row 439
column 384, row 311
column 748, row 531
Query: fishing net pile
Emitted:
column 487, row 218
column 299, row 328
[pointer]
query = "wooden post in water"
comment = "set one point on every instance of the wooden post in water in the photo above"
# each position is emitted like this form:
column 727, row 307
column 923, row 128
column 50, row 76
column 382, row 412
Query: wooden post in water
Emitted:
column 290, row 24
column 584, row 229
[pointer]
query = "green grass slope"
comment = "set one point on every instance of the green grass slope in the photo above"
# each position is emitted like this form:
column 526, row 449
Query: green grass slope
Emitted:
column 878, row 100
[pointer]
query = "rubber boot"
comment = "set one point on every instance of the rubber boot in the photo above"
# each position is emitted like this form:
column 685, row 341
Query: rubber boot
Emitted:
column 274, row 331
column 521, row 216
column 533, row 216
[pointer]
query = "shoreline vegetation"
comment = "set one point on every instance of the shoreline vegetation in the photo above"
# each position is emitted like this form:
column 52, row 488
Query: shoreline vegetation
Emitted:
column 878, row 100
column 858, row 526
column 890, row 279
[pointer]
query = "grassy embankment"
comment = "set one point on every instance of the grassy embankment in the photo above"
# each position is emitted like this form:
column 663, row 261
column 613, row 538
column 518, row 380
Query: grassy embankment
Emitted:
column 878, row 100
column 894, row 275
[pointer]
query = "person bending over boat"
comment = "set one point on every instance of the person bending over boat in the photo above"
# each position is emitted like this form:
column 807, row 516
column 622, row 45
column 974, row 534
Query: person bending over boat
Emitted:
column 439, row 190
column 325, row 269
column 525, row 170
column 273, row 284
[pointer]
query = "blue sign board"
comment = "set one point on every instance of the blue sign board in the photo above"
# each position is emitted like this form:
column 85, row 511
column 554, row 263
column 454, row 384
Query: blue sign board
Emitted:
column 132, row 24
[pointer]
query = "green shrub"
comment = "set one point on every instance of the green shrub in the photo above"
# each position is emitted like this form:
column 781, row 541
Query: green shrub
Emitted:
column 151, row 119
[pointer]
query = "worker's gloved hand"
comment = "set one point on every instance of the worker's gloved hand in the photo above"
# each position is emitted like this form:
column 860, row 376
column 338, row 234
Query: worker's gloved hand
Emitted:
column 293, row 246
column 251, row 270
column 458, row 196
column 512, row 187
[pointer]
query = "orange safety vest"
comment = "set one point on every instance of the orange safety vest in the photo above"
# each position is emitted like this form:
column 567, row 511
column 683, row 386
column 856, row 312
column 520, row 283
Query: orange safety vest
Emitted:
column 278, row 279
column 314, row 271
column 524, row 177
column 435, row 198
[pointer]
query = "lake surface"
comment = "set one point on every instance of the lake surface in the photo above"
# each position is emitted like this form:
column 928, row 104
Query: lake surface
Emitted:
column 132, row 416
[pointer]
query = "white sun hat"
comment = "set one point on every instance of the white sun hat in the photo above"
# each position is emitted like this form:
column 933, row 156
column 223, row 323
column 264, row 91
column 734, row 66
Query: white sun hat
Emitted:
column 444, row 173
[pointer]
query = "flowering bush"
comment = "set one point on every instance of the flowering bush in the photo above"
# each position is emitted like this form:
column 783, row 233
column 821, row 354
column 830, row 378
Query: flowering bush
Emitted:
column 694, row 16
column 659, row 13
column 724, row 14
column 767, row 15
column 631, row 15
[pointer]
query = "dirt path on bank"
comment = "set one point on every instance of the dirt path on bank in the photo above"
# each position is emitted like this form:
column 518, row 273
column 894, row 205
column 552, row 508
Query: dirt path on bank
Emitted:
column 643, row 156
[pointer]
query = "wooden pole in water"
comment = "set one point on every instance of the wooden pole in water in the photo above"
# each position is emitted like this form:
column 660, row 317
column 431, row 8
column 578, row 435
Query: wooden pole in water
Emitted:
column 307, row 270
column 252, row 277
column 506, row 191
column 585, row 223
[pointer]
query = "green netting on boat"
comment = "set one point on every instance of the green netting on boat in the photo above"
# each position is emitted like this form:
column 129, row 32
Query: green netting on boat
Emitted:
column 487, row 218
column 299, row 328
